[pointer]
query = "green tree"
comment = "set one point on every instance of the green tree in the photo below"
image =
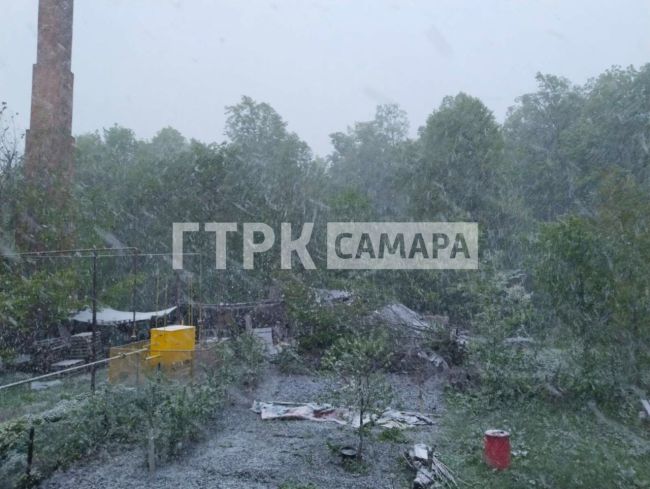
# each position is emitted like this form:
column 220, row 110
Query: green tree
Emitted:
column 358, row 362
column 10, row 160
column 594, row 272
column 367, row 161
column 538, row 134
column 615, row 127
column 460, row 172
column 31, row 304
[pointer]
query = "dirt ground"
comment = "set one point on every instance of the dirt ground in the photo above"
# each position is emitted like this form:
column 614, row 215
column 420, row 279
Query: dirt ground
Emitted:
column 243, row 452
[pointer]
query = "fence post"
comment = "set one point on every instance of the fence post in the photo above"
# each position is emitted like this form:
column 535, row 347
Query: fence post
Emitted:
column 30, row 452
column 192, row 360
column 151, row 451
column 137, row 370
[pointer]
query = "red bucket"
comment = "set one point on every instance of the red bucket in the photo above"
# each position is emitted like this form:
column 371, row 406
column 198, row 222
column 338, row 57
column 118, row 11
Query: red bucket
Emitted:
column 497, row 449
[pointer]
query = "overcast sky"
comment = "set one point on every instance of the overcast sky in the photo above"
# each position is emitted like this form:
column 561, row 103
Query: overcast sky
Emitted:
column 322, row 64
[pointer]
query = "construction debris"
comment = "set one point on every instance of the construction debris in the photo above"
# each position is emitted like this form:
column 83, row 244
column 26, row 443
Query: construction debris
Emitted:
column 519, row 341
column 403, row 419
column 81, row 345
column 39, row 386
column 645, row 414
column 66, row 364
column 265, row 335
column 438, row 363
column 420, row 452
column 332, row 296
column 408, row 330
column 404, row 319
column 430, row 471
column 390, row 418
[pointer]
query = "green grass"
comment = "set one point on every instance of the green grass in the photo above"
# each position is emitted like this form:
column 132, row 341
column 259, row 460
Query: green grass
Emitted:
column 21, row 400
column 392, row 435
column 554, row 446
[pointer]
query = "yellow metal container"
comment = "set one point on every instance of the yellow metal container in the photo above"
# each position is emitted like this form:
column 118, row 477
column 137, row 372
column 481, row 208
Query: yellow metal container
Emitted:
column 172, row 345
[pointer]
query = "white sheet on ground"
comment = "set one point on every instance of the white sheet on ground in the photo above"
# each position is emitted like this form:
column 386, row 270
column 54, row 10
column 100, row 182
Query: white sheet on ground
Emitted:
column 390, row 418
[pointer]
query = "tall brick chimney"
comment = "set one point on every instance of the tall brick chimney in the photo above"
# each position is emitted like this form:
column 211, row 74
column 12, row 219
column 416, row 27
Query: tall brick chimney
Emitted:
column 49, row 146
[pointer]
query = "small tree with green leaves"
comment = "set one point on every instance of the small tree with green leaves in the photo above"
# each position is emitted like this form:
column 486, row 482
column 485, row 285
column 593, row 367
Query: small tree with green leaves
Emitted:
column 359, row 363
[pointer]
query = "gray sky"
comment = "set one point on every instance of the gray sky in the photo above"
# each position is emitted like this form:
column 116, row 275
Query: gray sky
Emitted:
column 322, row 64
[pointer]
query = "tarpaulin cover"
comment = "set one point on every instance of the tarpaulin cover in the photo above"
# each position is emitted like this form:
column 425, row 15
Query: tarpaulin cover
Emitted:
column 107, row 316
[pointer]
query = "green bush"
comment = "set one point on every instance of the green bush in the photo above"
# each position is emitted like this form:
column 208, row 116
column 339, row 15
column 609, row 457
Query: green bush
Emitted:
column 175, row 412
column 392, row 435
column 249, row 358
column 593, row 271
column 289, row 361
column 507, row 374
column 317, row 326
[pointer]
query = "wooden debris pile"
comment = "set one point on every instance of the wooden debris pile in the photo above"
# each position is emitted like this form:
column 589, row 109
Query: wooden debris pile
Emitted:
column 81, row 345
column 430, row 472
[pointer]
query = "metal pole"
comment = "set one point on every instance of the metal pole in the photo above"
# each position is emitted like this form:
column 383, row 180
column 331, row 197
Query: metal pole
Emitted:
column 30, row 452
column 178, row 296
column 135, row 273
column 94, row 325
column 199, row 323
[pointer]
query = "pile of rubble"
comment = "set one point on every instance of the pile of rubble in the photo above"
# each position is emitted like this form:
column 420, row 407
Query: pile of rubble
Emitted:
column 429, row 471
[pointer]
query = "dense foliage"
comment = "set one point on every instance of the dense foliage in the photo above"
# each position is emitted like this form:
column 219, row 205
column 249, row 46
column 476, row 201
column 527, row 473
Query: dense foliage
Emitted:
column 559, row 189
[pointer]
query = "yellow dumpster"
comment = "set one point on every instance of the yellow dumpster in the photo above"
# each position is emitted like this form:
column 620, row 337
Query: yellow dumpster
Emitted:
column 171, row 345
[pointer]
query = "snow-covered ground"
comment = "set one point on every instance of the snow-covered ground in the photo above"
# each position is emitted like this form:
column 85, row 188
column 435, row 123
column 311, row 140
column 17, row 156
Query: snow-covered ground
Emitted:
column 243, row 452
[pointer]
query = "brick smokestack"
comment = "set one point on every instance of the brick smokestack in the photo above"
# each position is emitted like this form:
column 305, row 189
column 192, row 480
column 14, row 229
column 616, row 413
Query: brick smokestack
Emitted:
column 49, row 146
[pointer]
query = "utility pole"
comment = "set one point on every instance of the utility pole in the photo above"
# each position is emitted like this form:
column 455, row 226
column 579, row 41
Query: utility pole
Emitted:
column 134, row 271
column 94, row 324
column 178, row 296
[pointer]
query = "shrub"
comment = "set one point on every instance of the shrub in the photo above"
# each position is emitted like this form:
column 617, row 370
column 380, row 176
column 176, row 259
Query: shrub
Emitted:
column 174, row 412
column 593, row 270
column 358, row 362
column 316, row 326
column 392, row 435
column 289, row 361
column 248, row 354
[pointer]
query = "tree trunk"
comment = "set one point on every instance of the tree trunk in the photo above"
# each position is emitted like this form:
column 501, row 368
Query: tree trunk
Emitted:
column 360, row 446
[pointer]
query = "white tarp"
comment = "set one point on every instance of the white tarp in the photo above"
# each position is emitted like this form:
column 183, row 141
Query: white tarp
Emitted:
column 107, row 316
column 390, row 418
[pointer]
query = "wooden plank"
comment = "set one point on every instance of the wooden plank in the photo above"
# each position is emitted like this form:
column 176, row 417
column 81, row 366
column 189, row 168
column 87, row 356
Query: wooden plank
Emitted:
column 646, row 405
column 421, row 452
column 63, row 364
